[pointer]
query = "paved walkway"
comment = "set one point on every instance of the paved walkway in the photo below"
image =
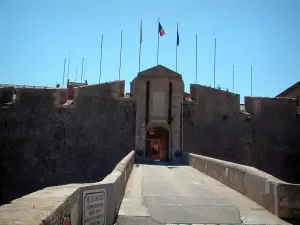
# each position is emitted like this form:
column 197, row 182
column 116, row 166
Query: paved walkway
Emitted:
column 158, row 194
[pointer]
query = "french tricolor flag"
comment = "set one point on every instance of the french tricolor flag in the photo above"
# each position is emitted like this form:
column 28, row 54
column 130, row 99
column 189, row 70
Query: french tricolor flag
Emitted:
column 161, row 30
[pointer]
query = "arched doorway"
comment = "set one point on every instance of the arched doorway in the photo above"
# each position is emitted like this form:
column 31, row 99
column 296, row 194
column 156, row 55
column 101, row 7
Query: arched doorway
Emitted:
column 157, row 144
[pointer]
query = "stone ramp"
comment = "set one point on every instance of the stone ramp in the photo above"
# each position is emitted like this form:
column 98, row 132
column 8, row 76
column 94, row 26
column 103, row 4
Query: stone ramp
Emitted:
column 158, row 194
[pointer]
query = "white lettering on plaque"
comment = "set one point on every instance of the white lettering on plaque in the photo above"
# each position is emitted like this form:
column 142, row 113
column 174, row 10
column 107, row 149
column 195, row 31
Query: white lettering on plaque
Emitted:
column 94, row 207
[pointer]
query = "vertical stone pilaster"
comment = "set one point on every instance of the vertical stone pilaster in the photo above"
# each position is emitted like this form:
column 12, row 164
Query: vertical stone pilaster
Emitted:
column 176, row 129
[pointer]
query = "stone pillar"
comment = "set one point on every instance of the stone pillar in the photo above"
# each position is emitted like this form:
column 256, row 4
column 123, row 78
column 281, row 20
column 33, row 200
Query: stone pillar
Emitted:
column 176, row 129
column 140, row 136
column 140, row 141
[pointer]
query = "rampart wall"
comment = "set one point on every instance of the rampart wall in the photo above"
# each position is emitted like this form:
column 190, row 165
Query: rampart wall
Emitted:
column 265, row 135
column 44, row 142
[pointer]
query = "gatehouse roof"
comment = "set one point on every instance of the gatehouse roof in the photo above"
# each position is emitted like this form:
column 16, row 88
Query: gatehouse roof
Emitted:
column 159, row 70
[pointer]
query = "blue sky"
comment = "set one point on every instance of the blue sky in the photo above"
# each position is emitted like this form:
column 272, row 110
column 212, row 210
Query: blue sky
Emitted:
column 36, row 37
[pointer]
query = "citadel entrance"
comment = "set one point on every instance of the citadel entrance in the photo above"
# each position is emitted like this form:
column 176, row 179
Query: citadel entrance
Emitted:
column 157, row 144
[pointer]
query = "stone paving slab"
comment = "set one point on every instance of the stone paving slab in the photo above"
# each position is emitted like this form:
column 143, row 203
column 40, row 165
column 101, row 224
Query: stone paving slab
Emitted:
column 157, row 194
column 149, row 221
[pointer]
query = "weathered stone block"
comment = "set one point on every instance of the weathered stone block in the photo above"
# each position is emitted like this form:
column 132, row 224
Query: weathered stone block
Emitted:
column 6, row 94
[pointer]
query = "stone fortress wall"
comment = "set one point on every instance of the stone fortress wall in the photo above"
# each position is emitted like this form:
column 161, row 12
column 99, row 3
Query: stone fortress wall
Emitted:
column 46, row 140
column 265, row 133
column 46, row 143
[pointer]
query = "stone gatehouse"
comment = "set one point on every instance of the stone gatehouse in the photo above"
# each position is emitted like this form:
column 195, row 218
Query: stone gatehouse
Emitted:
column 158, row 93
column 46, row 140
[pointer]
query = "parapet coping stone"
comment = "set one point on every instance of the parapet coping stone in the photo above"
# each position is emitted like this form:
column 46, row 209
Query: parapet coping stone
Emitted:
column 35, row 207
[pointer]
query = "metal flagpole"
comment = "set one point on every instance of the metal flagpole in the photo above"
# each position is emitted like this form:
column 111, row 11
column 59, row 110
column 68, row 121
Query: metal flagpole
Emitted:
column 141, row 39
column 215, row 64
column 251, row 81
column 120, row 55
column 177, row 42
column 157, row 43
column 82, row 69
column 69, row 65
column 233, row 78
column 76, row 76
column 196, row 61
column 64, row 74
column 101, row 60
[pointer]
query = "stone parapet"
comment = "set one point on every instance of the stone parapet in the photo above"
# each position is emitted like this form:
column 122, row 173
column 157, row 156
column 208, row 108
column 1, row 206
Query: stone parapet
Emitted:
column 53, row 205
column 279, row 197
column 264, row 105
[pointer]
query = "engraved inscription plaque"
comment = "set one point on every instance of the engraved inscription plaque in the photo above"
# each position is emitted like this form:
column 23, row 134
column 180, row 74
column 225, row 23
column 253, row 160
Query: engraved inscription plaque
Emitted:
column 94, row 207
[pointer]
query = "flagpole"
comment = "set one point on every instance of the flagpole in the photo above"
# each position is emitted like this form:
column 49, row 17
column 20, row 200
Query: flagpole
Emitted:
column 215, row 64
column 69, row 65
column 101, row 60
column 157, row 43
column 176, row 46
column 141, row 39
column 82, row 70
column 120, row 55
column 251, row 81
column 64, row 74
column 196, row 61
column 76, row 76
column 233, row 78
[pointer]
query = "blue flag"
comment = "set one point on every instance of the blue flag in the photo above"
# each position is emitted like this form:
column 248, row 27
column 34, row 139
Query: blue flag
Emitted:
column 177, row 37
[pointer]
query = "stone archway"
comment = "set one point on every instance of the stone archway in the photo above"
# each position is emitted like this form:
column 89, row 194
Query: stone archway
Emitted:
column 157, row 144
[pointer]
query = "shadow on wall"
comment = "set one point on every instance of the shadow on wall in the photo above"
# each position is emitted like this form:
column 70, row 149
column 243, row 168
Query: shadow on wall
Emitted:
column 265, row 134
column 43, row 144
column 291, row 164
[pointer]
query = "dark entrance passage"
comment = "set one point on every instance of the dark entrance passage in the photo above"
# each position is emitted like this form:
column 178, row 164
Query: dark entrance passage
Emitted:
column 157, row 144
